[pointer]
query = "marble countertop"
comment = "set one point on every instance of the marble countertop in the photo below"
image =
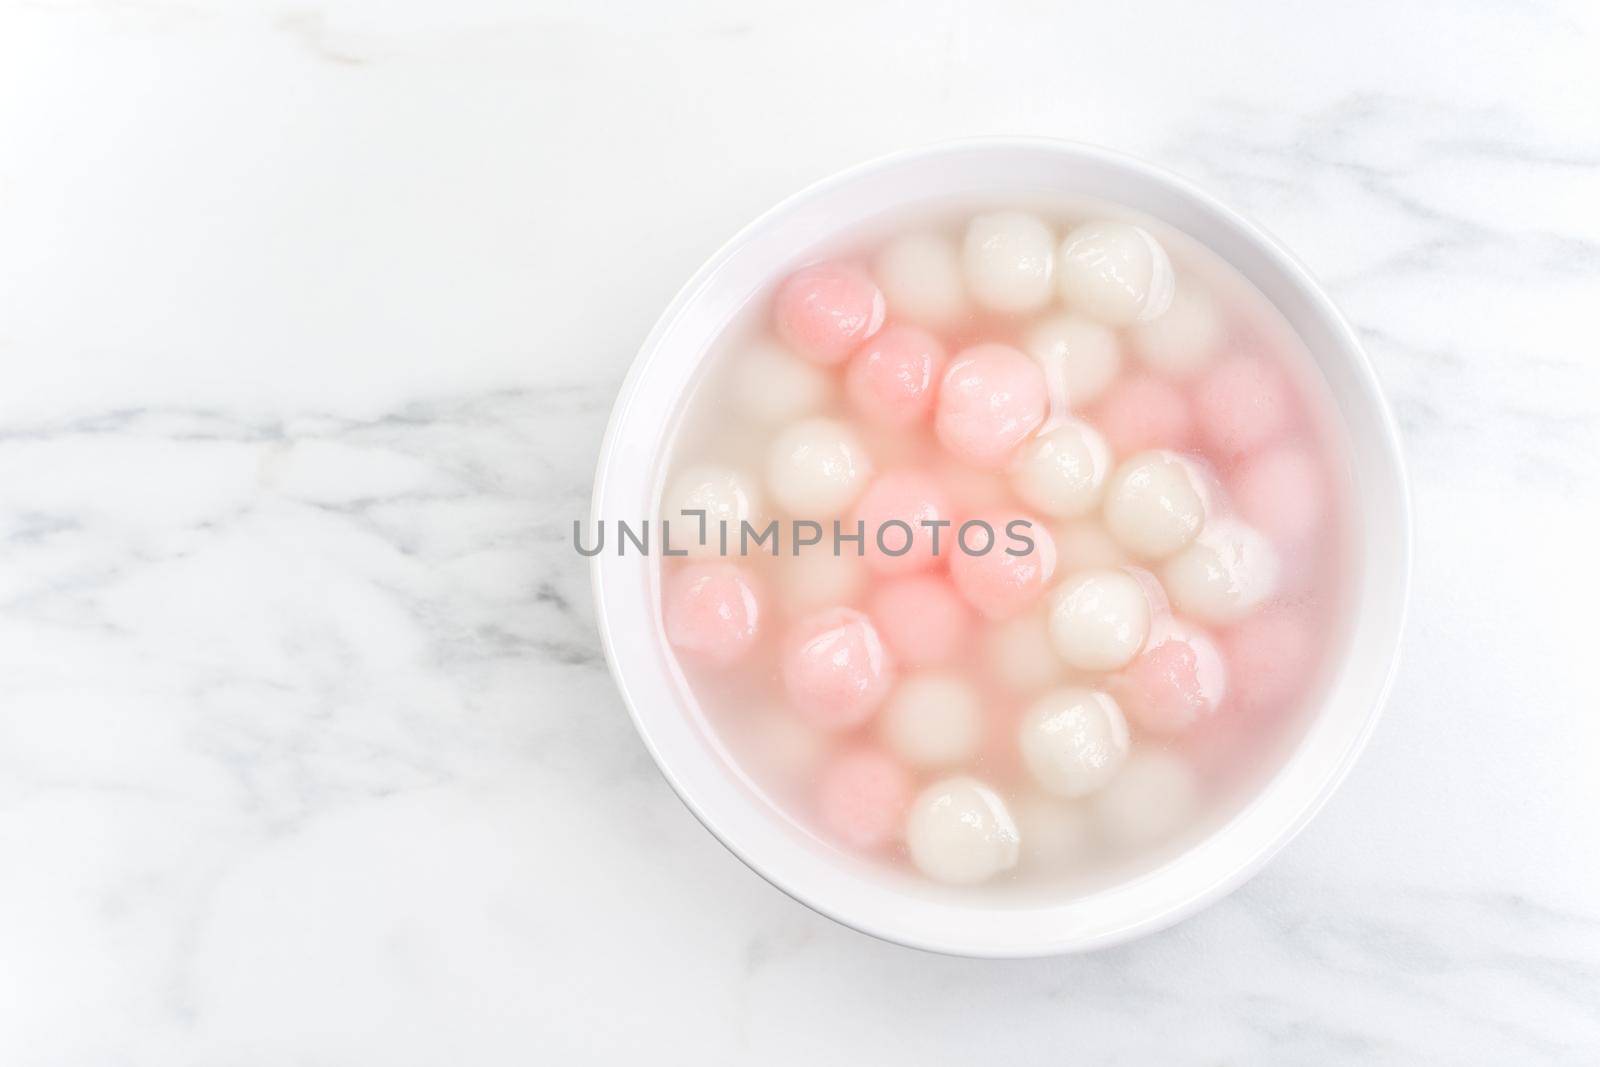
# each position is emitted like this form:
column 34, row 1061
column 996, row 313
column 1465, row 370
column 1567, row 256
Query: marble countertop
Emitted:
column 311, row 315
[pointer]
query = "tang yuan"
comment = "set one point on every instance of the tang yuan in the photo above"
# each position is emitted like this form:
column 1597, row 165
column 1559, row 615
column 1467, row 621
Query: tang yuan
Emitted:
column 780, row 748
column 1150, row 797
column 934, row 720
column 891, row 379
column 1021, row 656
column 835, row 668
column 920, row 275
column 711, row 612
column 1281, row 489
column 1144, row 411
column 961, row 832
column 825, row 311
column 772, row 385
column 1175, row 682
column 899, row 514
column 1115, row 272
column 1032, row 711
column 1009, row 258
column 1186, row 338
column 1270, row 656
column 1224, row 575
column 1006, row 563
column 992, row 399
column 1099, row 619
column 1079, row 356
column 1243, row 403
column 817, row 577
column 817, row 468
column 1074, row 741
column 706, row 505
column 862, row 796
column 1062, row 471
column 922, row 618
column 1155, row 504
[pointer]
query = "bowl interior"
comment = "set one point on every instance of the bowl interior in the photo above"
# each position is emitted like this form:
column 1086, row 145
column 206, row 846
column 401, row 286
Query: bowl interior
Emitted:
column 626, row 603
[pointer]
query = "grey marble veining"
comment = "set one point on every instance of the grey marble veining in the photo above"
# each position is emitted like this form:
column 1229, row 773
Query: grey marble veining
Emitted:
column 312, row 316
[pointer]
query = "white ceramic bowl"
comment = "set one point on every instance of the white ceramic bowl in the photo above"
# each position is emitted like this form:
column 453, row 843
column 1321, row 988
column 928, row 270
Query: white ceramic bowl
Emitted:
column 627, row 602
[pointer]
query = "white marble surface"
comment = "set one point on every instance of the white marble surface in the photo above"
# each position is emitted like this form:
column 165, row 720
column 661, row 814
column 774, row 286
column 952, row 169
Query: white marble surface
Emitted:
column 311, row 315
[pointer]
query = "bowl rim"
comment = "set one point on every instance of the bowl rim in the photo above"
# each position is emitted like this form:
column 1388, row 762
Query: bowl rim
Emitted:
column 1390, row 445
